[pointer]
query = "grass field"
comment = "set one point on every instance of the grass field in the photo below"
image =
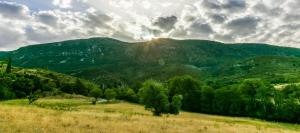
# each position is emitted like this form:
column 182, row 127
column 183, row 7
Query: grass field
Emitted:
column 79, row 116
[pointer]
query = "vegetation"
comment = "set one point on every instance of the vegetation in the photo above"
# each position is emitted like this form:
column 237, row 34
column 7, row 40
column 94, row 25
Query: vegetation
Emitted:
column 110, row 94
column 113, row 64
column 35, row 83
column 176, row 104
column 8, row 67
column 251, row 98
column 95, row 93
column 240, row 84
column 77, row 115
column 154, row 96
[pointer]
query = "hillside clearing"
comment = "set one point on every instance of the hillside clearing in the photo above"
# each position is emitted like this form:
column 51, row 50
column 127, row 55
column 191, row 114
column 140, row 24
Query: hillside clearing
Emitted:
column 77, row 115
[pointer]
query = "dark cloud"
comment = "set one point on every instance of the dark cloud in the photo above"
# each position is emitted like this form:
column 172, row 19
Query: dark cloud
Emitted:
column 262, row 8
column 243, row 26
column 292, row 18
column 189, row 18
column 227, row 5
column 211, row 4
column 179, row 32
column 224, row 38
column 218, row 18
column 165, row 23
column 39, row 34
column 201, row 28
column 48, row 18
column 234, row 5
column 290, row 27
column 97, row 20
column 13, row 10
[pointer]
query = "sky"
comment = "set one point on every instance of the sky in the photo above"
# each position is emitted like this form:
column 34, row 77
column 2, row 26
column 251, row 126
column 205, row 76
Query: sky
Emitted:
column 26, row 22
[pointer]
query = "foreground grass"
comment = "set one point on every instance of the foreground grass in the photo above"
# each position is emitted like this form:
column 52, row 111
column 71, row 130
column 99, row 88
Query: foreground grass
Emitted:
column 77, row 116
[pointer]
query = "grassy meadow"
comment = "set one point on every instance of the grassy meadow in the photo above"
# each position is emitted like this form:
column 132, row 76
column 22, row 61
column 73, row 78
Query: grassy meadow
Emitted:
column 77, row 115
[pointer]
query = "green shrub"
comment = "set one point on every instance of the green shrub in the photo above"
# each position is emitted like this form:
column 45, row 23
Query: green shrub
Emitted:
column 110, row 94
column 95, row 93
column 154, row 96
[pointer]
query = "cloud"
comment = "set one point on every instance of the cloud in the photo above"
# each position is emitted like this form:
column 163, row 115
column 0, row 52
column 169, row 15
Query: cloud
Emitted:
column 202, row 28
column 47, row 17
column 292, row 18
column 35, row 21
column 234, row 5
column 63, row 3
column 165, row 23
column 211, row 4
column 243, row 26
column 13, row 10
column 218, row 18
column 261, row 8
column 223, row 5
column 97, row 19
column 9, row 36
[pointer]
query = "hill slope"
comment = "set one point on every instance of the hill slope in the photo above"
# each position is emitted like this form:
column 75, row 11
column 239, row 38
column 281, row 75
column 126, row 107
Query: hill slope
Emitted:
column 21, row 83
column 111, row 62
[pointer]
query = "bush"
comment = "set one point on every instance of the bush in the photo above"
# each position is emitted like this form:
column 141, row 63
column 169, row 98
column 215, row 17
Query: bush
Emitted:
column 175, row 104
column 95, row 93
column 32, row 97
column 189, row 88
column 110, row 94
column 6, row 94
column 127, row 94
column 154, row 96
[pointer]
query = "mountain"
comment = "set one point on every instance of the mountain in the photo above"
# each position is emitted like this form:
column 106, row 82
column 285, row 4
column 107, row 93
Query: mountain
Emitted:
column 112, row 62
column 3, row 54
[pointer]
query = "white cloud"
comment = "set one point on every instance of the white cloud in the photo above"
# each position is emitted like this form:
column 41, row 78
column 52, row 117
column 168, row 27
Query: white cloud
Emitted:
column 63, row 3
column 267, row 21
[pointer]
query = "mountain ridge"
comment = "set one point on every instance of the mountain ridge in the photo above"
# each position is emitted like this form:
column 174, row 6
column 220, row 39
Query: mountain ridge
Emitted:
column 105, row 60
column 133, row 42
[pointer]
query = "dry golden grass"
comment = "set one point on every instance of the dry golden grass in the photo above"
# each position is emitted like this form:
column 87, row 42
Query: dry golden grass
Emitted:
column 16, row 116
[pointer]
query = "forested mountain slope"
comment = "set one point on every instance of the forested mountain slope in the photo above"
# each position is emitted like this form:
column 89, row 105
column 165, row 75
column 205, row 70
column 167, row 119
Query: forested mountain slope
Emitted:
column 112, row 63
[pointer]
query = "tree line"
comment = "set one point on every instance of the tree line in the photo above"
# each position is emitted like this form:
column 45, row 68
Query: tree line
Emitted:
column 249, row 98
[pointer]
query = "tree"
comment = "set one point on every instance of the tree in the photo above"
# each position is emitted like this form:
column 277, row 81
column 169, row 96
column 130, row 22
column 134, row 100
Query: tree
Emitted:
column 291, row 91
column 127, row 94
column 22, row 86
column 33, row 96
column 222, row 101
column 66, row 87
column 95, row 93
column 258, row 96
column 6, row 93
column 110, row 94
column 154, row 96
column 207, row 96
column 189, row 88
column 175, row 104
column 8, row 67
column 35, row 91
column 248, row 89
column 80, row 88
